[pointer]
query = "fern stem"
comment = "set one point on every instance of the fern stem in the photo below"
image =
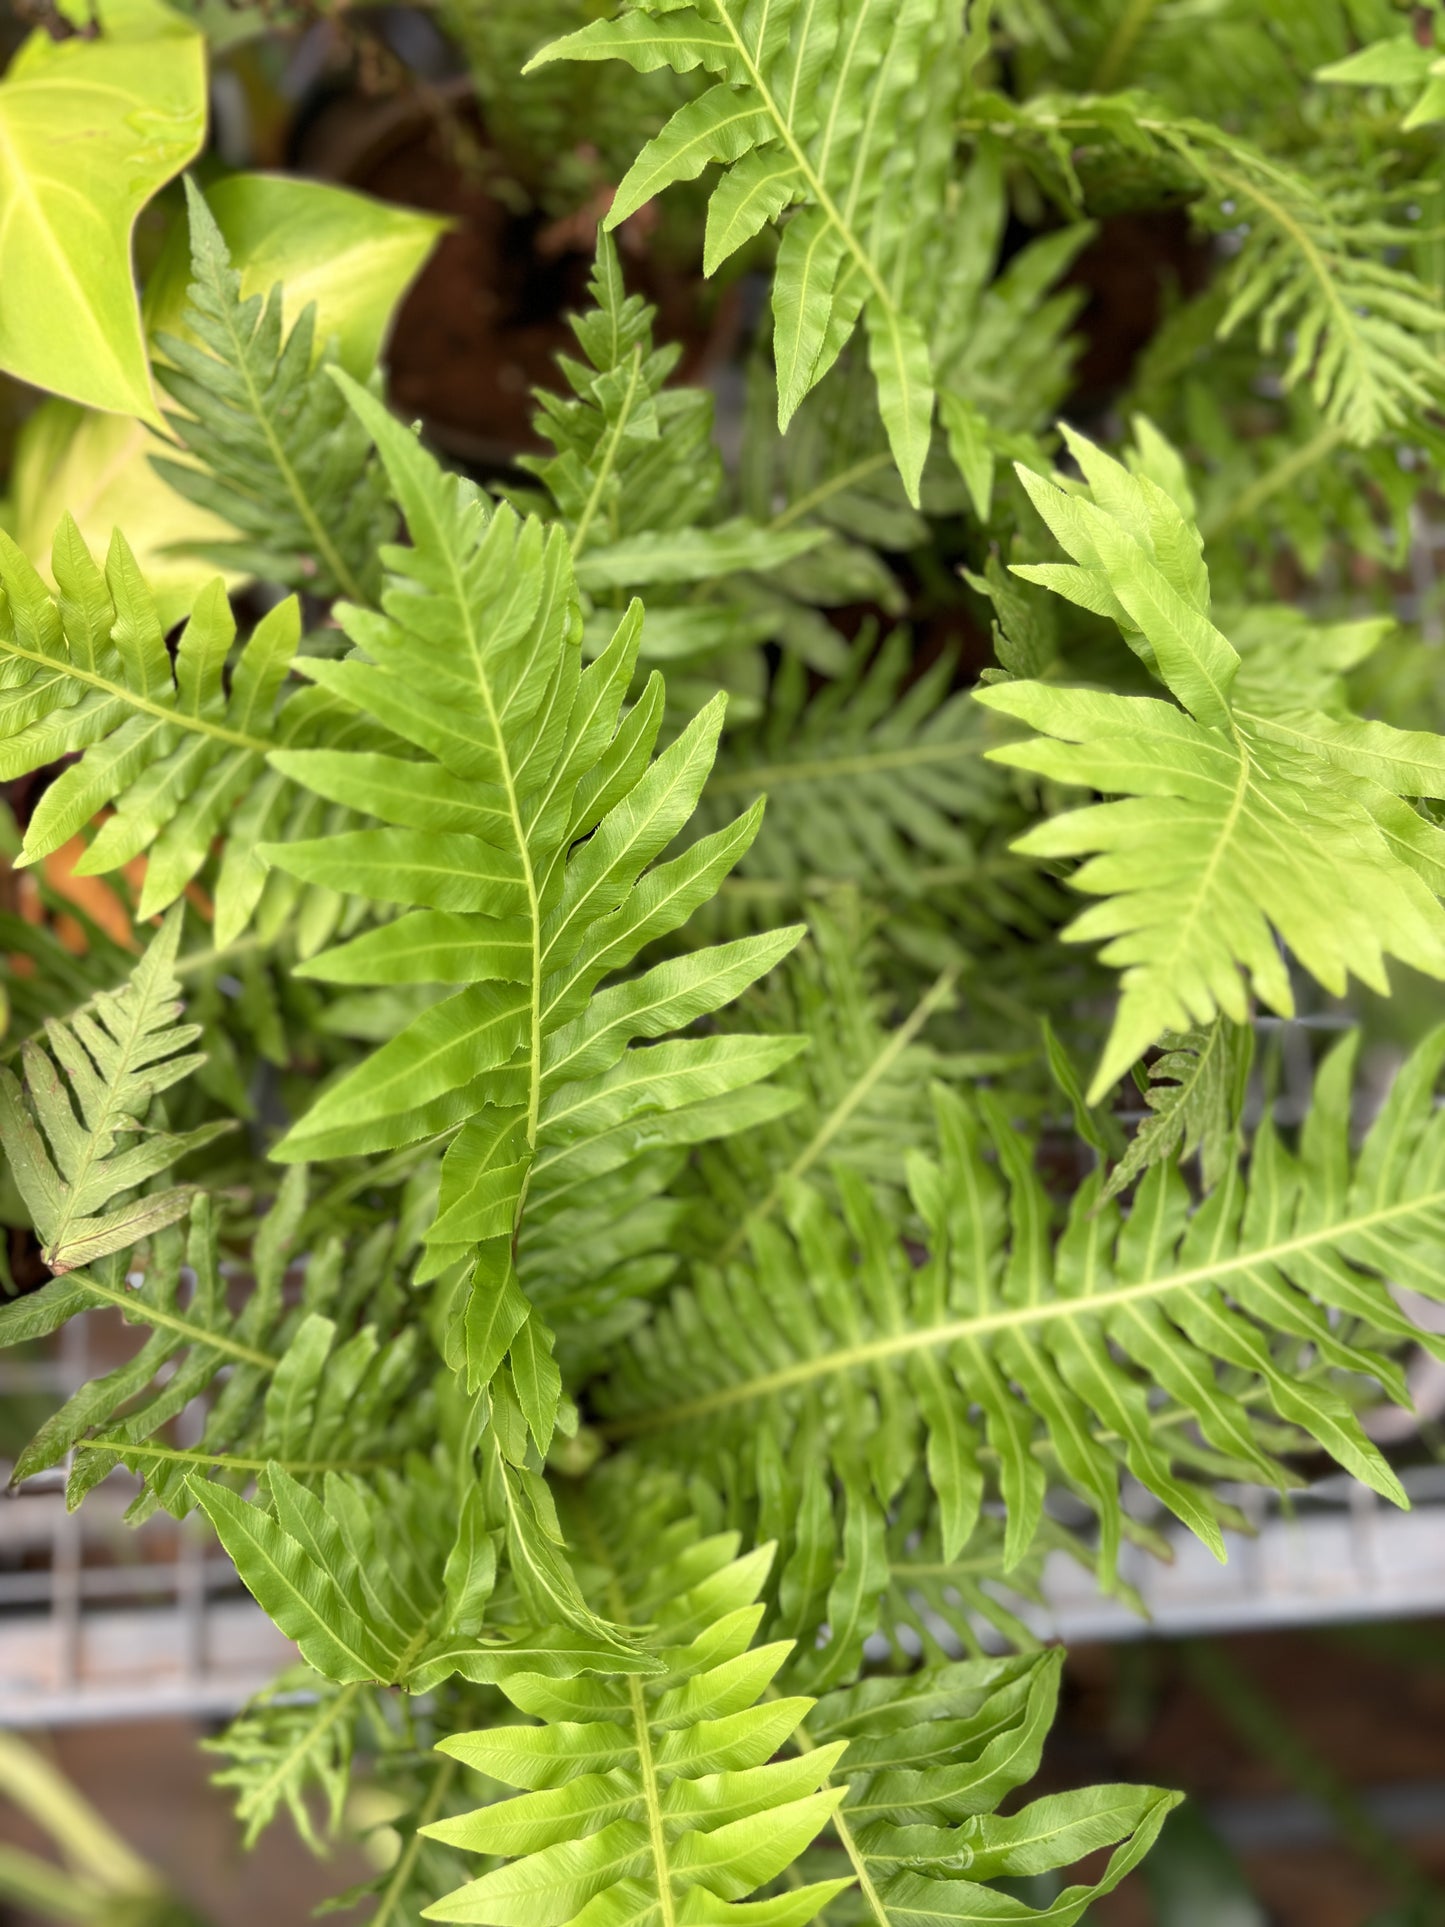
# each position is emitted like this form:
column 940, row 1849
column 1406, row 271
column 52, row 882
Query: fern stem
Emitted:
column 297, row 1468
column 395, row 1887
column 1122, row 42
column 805, row 1744
column 136, row 1308
column 834, row 485
column 1299, row 461
column 164, row 712
column 898, row 1041
column 656, row 1831
column 529, row 878
column 1013, row 1318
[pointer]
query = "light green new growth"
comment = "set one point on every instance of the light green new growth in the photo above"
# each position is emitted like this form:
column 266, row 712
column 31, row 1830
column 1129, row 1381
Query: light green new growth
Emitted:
column 1238, row 825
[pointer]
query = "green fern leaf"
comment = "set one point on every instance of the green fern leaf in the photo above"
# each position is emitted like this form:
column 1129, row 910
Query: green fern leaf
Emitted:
column 657, row 1797
column 75, row 1153
column 164, row 744
column 1316, row 269
column 296, row 1736
column 824, row 110
column 1195, row 1093
column 671, row 1798
column 274, row 450
column 883, row 788
column 390, row 1578
column 519, row 848
column 927, row 1760
column 1235, row 825
column 1001, row 1340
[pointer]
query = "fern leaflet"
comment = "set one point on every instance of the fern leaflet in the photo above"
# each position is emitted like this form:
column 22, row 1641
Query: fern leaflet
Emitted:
column 1235, row 824
column 275, row 451
column 76, row 1152
column 847, row 118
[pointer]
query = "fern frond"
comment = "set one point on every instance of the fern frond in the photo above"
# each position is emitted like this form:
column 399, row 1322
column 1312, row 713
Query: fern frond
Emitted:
column 165, row 745
column 673, row 1797
column 851, row 117
column 1226, row 58
column 1399, row 62
column 862, row 1084
column 1003, row 1340
column 292, row 1740
column 654, row 1797
column 1237, row 824
column 76, row 1130
column 928, row 1759
column 274, row 449
column 1316, row 269
column 518, row 845
column 871, row 782
column 322, row 1384
column 1194, row 1091
column 637, row 482
column 397, row 1577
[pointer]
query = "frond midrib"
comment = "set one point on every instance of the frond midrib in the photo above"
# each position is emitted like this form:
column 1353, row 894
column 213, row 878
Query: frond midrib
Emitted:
column 1011, row 1318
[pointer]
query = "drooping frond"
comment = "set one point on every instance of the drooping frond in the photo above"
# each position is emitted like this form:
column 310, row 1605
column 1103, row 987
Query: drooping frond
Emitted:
column 1194, row 1091
column 1239, row 823
column 1316, row 269
column 321, row 1384
column 274, row 449
column 846, row 112
column 927, row 1760
column 1050, row 1359
column 519, row 846
column 76, row 1126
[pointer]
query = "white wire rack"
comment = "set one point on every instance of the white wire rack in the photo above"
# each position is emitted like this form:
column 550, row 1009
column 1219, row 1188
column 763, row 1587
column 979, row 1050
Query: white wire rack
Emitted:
column 102, row 1622
column 1338, row 1552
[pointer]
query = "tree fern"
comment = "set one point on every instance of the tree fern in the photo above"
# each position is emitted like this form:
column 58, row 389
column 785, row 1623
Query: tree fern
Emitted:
column 1005, row 1340
column 1237, row 823
column 860, row 152
column 523, row 757
column 273, row 448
